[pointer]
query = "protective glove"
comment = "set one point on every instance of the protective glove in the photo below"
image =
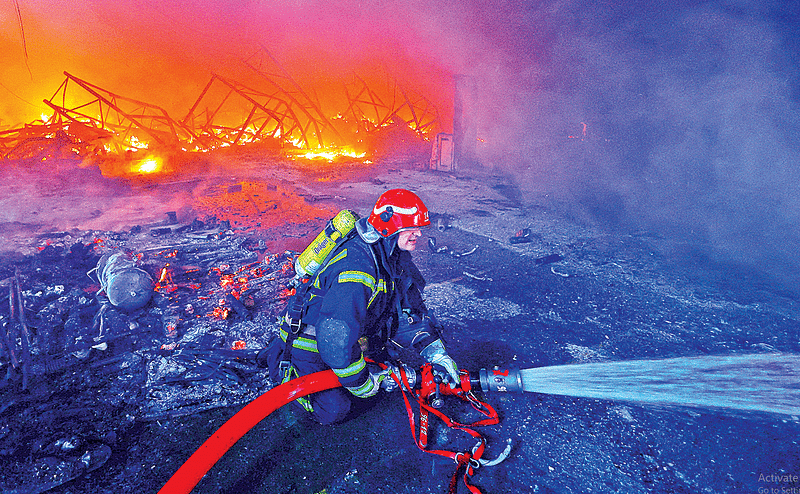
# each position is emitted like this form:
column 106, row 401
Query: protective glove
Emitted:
column 436, row 354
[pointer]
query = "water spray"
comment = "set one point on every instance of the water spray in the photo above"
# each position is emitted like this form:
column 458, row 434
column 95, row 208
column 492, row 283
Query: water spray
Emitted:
column 761, row 383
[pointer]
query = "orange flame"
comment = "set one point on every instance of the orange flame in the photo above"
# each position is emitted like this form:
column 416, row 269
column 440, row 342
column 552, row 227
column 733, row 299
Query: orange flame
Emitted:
column 165, row 283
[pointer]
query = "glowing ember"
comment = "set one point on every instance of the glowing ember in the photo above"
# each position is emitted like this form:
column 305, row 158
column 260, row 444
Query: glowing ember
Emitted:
column 287, row 267
column 151, row 164
column 171, row 329
column 165, row 283
column 238, row 345
column 220, row 312
column 332, row 154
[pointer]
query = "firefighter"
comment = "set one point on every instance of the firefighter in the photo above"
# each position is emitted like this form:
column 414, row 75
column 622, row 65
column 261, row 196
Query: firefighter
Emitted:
column 365, row 301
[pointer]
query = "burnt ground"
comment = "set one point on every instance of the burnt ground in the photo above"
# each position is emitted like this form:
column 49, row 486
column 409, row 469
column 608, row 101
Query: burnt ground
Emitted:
column 124, row 419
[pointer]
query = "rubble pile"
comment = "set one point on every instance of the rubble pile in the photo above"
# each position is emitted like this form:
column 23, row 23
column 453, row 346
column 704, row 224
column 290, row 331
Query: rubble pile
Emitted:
column 87, row 370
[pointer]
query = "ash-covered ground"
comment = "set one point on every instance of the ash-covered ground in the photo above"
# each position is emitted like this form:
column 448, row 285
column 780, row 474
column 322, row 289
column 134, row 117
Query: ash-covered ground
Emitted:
column 124, row 417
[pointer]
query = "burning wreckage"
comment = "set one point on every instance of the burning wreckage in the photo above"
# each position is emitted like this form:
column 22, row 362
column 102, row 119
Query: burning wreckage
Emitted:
column 125, row 136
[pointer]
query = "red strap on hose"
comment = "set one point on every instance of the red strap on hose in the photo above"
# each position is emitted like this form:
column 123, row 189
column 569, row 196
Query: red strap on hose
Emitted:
column 190, row 473
column 465, row 460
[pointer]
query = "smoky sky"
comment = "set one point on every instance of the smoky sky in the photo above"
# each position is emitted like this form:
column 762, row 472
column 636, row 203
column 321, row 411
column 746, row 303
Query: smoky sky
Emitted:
column 675, row 117
column 690, row 111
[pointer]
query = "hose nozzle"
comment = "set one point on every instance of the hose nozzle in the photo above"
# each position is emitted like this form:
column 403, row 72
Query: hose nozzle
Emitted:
column 505, row 380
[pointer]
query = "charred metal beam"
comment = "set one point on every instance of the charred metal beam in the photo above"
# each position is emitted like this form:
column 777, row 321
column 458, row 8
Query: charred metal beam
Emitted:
column 150, row 119
column 304, row 104
column 274, row 114
column 17, row 312
column 355, row 102
column 416, row 112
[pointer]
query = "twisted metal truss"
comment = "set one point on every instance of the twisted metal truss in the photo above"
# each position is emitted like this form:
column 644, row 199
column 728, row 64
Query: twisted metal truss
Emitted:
column 396, row 105
column 130, row 121
column 228, row 113
column 314, row 128
column 88, row 119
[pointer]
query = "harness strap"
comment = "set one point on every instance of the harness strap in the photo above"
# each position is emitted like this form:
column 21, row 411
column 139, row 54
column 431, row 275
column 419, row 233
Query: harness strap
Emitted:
column 294, row 326
column 294, row 312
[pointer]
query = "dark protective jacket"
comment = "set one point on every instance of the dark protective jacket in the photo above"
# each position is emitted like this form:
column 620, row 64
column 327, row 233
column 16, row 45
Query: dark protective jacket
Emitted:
column 366, row 290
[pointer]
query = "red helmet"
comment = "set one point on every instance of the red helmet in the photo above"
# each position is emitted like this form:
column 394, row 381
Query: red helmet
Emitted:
column 396, row 210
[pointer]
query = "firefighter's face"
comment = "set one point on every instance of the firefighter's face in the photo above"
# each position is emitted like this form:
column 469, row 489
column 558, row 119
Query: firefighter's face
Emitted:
column 407, row 239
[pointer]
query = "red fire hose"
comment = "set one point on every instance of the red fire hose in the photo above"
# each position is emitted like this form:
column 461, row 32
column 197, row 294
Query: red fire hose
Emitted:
column 188, row 475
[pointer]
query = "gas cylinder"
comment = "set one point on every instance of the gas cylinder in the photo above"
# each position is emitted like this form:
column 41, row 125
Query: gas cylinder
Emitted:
column 312, row 258
column 126, row 286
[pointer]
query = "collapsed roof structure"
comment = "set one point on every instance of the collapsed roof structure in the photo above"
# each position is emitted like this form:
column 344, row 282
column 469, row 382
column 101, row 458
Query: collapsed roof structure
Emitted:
column 272, row 109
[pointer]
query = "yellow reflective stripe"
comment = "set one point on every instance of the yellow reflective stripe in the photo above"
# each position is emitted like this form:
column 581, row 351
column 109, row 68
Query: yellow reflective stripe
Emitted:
column 365, row 388
column 304, row 402
column 352, row 369
column 338, row 257
column 306, row 344
column 302, row 343
column 357, row 277
column 380, row 288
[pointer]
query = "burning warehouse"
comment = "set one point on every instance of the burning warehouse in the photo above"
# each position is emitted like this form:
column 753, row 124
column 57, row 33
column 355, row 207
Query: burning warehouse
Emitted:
column 564, row 231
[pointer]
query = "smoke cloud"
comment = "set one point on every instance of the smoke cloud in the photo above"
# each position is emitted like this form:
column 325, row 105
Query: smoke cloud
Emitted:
column 690, row 116
column 164, row 52
column 679, row 118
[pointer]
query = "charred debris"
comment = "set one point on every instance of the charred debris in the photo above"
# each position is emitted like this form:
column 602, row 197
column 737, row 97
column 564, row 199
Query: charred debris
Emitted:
column 78, row 371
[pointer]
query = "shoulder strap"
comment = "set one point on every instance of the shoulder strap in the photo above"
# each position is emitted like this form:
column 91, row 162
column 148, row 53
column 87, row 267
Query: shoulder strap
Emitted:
column 298, row 306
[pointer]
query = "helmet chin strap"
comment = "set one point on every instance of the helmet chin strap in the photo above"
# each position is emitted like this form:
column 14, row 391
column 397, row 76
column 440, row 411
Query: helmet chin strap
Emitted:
column 391, row 243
